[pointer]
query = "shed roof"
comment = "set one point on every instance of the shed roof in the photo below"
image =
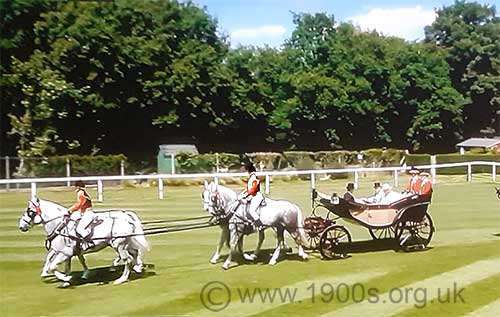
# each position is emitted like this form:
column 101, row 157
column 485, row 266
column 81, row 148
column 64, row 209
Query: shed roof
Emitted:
column 479, row 142
column 176, row 148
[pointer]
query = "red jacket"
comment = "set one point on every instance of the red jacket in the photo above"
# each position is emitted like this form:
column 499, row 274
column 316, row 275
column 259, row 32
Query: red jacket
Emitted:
column 83, row 201
column 253, row 185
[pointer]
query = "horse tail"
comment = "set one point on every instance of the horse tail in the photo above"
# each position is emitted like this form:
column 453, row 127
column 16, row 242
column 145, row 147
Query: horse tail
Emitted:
column 300, row 228
column 138, row 238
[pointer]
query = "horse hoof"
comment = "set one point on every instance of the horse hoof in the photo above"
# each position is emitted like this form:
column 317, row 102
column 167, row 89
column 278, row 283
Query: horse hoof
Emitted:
column 272, row 262
column 225, row 267
column 119, row 281
column 45, row 274
column 137, row 268
column 62, row 277
column 213, row 261
column 248, row 257
column 65, row 285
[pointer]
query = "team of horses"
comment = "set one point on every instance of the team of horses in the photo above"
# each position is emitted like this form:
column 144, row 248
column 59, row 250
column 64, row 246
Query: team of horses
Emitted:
column 122, row 230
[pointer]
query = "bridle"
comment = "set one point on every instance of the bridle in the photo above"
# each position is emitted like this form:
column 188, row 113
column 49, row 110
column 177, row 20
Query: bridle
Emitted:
column 37, row 212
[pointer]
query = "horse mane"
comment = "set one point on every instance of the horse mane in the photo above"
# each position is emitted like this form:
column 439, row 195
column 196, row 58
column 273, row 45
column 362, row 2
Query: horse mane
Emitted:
column 48, row 202
column 224, row 189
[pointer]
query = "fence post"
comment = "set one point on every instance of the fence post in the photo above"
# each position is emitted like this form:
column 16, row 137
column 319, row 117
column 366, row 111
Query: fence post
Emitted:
column 68, row 172
column 268, row 190
column 217, row 162
column 160, row 188
column 313, row 181
column 396, row 179
column 469, row 172
column 33, row 190
column 172, row 162
column 122, row 168
column 494, row 172
column 7, row 170
column 216, row 180
column 433, row 169
column 356, row 179
column 99, row 190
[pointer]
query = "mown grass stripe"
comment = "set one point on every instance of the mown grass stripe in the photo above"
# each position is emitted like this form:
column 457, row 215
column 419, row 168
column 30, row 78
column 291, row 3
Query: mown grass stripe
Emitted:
column 387, row 305
column 490, row 310
column 242, row 308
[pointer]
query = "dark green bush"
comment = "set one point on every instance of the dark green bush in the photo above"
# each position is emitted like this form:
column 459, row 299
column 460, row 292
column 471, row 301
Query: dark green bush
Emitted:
column 81, row 165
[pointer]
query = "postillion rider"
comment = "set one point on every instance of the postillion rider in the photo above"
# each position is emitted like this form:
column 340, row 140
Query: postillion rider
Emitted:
column 83, row 209
column 253, row 195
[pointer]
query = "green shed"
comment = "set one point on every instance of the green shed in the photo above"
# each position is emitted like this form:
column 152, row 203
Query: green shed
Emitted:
column 166, row 156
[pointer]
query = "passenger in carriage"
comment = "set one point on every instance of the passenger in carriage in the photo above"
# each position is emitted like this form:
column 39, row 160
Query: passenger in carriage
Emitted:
column 377, row 194
column 388, row 195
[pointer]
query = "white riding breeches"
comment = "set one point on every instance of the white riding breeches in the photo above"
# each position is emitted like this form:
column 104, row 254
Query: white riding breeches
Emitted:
column 86, row 219
column 254, row 205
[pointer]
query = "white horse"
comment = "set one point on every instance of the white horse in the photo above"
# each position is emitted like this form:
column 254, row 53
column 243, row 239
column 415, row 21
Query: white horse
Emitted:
column 121, row 230
column 214, row 202
column 279, row 214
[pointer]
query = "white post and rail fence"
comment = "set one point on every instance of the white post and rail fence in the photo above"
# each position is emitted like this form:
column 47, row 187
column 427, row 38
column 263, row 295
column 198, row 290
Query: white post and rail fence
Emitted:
column 267, row 174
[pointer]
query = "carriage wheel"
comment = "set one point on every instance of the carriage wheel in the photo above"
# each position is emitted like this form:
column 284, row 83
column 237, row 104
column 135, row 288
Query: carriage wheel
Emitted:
column 334, row 242
column 313, row 239
column 413, row 235
column 383, row 233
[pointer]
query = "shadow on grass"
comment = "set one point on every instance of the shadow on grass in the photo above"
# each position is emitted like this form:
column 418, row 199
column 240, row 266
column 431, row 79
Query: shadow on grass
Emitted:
column 103, row 275
column 497, row 234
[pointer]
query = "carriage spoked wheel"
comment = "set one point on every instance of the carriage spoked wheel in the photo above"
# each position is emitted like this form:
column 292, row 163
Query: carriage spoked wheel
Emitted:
column 382, row 233
column 414, row 235
column 334, row 242
column 313, row 238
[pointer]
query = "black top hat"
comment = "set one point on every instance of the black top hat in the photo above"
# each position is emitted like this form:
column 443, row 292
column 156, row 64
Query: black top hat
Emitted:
column 249, row 167
column 376, row 184
column 350, row 186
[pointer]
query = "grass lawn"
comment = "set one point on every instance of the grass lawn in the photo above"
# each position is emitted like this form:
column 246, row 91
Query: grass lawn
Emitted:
column 463, row 255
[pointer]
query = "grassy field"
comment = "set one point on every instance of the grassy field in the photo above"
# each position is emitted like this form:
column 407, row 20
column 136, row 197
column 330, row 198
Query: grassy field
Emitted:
column 375, row 281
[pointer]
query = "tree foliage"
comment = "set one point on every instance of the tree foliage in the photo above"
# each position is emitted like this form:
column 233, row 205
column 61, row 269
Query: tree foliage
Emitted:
column 124, row 76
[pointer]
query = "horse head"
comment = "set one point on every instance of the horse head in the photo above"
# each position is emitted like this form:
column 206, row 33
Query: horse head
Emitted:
column 32, row 215
column 212, row 200
column 41, row 212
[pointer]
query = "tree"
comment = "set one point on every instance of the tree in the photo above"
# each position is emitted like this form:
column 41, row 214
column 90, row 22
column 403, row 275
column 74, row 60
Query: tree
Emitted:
column 470, row 35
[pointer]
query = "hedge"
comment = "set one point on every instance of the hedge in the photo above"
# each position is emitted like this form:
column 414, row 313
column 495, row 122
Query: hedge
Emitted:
column 81, row 165
column 457, row 158
column 418, row 159
column 425, row 159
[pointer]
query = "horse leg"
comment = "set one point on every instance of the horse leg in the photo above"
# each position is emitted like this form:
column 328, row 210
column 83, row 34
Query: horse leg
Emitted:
column 247, row 257
column 276, row 253
column 234, row 235
column 67, row 267
column 53, row 260
column 299, row 236
column 127, row 258
column 45, row 268
column 259, row 245
column 86, row 271
column 224, row 238
column 136, row 260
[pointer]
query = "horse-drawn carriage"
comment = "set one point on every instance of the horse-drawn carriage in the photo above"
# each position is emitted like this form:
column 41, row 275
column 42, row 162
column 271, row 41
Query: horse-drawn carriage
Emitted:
column 405, row 221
